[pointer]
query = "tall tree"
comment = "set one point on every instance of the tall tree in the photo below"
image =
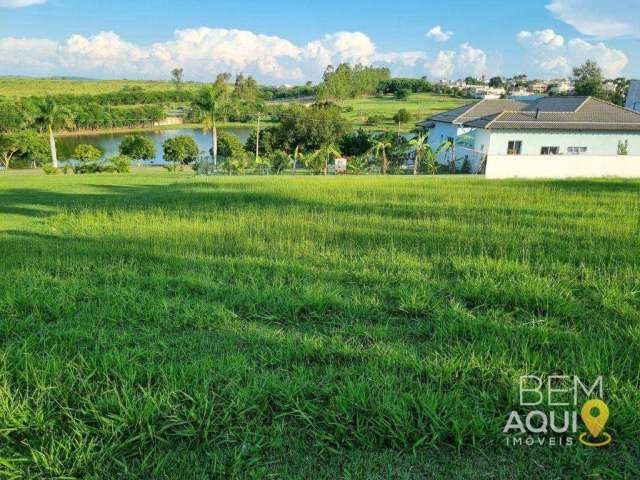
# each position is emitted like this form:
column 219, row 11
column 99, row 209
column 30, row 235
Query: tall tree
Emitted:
column 177, row 76
column 51, row 116
column 211, row 100
column 588, row 79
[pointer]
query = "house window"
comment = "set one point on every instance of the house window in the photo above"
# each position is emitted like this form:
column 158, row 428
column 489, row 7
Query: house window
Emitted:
column 514, row 147
column 576, row 150
column 550, row 151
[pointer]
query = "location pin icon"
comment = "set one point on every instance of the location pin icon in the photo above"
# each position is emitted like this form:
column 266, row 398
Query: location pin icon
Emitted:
column 595, row 424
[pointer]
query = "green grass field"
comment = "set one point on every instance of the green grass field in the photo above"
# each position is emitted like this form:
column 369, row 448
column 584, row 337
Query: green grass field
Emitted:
column 165, row 326
column 17, row 87
column 419, row 105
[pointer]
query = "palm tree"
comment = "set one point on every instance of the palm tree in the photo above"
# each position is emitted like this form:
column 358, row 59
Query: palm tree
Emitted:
column 327, row 152
column 381, row 148
column 319, row 160
column 420, row 144
column 449, row 146
column 211, row 101
column 51, row 116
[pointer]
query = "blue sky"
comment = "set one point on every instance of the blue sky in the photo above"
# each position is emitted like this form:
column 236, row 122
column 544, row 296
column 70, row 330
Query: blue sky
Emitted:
column 291, row 41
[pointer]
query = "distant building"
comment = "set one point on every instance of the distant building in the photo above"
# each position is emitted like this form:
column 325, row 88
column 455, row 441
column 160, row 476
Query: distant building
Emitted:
column 561, row 87
column 633, row 97
column 485, row 92
column 553, row 137
column 539, row 87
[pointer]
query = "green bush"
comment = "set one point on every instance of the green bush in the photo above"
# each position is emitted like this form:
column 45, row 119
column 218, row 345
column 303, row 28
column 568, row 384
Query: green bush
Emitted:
column 50, row 170
column 279, row 161
column 120, row 163
column 172, row 166
column 137, row 147
column 87, row 153
column 402, row 94
column 374, row 119
column 181, row 149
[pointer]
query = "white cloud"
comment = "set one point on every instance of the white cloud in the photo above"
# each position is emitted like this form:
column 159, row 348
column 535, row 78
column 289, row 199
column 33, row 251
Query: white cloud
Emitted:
column 599, row 18
column 472, row 61
column 611, row 61
column 202, row 52
column 542, row 38
column 555, row 56
column 20, row 3
column 467, row 60
column 438, row 34
column 443, row 66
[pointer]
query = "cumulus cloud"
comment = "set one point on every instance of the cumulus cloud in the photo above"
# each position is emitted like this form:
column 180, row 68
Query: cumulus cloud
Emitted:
column 554, row 55
column 20, row 3
column 599, row 18
column 542, row 38
column 204, row 52
column 467, row 60
column 438, row 34
column 472, row 60
column 443, row 66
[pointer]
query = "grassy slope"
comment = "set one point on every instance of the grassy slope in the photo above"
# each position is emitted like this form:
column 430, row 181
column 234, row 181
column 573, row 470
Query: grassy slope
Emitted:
column 329, row 327
column 15, row 87
column 420, row 105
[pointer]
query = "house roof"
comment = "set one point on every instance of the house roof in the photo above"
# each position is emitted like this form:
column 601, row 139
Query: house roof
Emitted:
column 480, row 109
column 550, row 113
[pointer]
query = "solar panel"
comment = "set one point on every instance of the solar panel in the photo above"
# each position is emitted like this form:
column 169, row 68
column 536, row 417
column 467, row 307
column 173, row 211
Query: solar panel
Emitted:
column 633, row 97
column 556, row 104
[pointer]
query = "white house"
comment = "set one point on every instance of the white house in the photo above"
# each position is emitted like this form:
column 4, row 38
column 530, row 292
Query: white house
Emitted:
column 552, row 137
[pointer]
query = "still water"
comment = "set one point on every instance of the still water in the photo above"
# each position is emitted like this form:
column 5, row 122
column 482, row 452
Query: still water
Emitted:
column 109, row 142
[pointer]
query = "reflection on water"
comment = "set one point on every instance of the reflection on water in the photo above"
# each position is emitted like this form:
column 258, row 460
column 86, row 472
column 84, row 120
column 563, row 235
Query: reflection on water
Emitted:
column 109, row 142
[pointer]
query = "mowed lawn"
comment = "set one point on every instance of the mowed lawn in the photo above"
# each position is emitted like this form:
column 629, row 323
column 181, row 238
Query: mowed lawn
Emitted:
column 167, row 326
column 419, row 105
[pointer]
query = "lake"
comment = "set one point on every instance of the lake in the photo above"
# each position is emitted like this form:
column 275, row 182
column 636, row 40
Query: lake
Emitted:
column 109, row 142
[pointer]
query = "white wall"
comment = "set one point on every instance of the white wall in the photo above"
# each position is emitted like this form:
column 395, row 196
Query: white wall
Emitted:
column 562, row 166
column 597, row 143
column 439, row 134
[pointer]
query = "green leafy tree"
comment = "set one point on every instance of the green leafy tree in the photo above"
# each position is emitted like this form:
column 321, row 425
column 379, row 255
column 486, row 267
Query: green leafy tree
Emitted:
column 355, row 143
column 496, row 82
column 181, row 150
column 588, row 80
column 177, row 76
column 51, row 116
column 87, row 153
column 403, row 116
column 138, row 148
column 245, row 88
column 23, row 148
column 279, row 161
column 310, row 128
column 230, row 146
column 402, row 94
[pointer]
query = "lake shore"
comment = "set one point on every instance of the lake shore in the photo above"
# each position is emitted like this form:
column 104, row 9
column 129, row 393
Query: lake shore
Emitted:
column 156, row 128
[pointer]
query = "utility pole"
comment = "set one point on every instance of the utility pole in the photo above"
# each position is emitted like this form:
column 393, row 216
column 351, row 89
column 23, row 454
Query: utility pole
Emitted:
column 258, row 139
